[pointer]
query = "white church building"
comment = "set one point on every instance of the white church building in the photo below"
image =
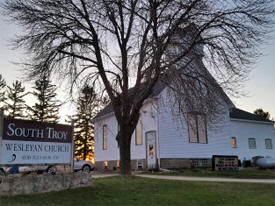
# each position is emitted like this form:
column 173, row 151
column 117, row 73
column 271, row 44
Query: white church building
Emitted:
column 162, row 141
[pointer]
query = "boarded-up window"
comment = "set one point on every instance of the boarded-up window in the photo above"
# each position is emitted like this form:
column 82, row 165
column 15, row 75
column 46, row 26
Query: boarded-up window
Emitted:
column 139, row 133
column 197, row 128
column 268, row 143
column 234, row 142
column 252, row 143
column 192, row 127
column 202, row 129
column 105, row 137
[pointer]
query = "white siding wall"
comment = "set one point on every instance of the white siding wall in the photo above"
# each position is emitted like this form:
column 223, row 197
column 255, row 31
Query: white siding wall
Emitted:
column 111, row 153
column 149, row 123
column 244, row 130
column 174, row 139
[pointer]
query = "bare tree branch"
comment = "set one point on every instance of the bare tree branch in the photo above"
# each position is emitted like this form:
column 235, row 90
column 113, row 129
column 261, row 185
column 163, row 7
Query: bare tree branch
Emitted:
column 108, row 43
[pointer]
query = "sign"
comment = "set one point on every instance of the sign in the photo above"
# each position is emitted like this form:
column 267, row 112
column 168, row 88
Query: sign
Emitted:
column 30, row 142
column 224, row 162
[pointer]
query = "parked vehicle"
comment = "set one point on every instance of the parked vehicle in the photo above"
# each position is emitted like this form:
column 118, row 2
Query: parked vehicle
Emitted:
column 266, row 162
column 83, row 165
column 3, row 170
column 15, row 169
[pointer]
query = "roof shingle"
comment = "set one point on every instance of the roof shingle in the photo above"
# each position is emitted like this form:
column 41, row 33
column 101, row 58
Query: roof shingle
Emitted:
column 241, row 114
column 157, row 89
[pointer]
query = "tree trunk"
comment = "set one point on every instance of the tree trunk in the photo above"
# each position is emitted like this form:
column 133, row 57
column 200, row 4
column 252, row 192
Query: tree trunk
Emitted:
column 125, row 152
column 127, row 124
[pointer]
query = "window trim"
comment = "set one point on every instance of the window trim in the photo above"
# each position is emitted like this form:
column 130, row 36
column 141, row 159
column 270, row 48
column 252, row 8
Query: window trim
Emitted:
column 103, row 139
column 252, row 138
column 197, row 129
column 270, row 143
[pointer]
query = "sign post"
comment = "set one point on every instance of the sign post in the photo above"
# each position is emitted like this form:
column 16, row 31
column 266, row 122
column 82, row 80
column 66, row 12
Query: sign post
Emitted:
column 72, row 159
column 1, row 129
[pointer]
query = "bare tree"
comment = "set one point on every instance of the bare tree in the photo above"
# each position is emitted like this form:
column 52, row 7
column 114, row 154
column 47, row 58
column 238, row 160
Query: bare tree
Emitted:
column 106, row 43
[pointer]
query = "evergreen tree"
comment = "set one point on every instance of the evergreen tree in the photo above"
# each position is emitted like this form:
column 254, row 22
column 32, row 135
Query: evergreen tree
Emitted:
column 15, row 103
column 87, row 107
column 2, row 90
column 47, row 108
column 260, row 112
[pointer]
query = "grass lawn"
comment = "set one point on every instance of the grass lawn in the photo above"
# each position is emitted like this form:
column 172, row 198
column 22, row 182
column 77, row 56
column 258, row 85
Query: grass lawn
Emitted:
column 245, row 174
column 146, row 192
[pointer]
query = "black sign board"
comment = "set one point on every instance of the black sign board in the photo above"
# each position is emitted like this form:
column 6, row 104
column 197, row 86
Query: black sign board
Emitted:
column 224, row 162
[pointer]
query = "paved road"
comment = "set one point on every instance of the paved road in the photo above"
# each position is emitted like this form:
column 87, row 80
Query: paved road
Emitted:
column 208, row 179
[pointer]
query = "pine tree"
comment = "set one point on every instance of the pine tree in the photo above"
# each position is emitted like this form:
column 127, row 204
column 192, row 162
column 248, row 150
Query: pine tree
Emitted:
column 47, row 108
column 87, row 106
column 260, row 112
column 15, row 103
column 2, row 90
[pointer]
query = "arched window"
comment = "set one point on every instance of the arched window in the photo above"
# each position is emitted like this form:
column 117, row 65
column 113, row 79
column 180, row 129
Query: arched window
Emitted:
column 138, row 133
column 104, row 139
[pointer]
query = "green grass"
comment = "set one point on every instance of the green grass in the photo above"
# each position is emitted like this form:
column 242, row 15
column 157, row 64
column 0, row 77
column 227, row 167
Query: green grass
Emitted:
column 146, row 192
column 244, row 174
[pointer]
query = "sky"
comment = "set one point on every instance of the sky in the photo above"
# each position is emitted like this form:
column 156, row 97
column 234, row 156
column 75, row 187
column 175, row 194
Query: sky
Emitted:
column 259, row 88
column 11, row 71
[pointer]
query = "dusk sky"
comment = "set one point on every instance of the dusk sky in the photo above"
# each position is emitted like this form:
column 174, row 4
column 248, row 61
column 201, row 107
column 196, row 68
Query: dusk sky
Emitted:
column 260, row 88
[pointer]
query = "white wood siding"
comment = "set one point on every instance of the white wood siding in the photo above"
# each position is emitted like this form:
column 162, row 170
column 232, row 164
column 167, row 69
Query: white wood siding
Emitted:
column 111, row 153
column 174, row 139
column 149, row 123
column 244, row 130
